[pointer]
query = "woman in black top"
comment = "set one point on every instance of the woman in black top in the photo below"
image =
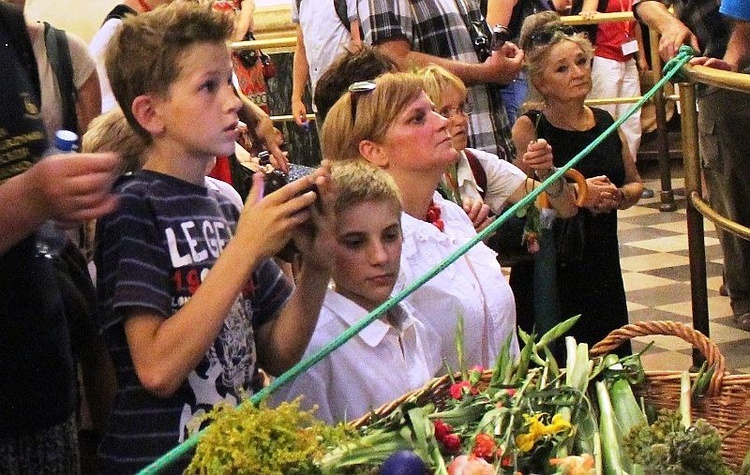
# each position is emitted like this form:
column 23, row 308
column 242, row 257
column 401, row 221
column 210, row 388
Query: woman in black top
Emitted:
column 559, row 68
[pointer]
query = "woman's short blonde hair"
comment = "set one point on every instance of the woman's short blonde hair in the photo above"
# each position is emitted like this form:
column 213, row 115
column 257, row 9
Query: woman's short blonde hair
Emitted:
column 536, row 54
column 437, row 79
column 368, row 115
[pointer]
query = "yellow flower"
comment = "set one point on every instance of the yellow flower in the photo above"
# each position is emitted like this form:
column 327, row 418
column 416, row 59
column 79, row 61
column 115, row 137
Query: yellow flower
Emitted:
column 537, row 429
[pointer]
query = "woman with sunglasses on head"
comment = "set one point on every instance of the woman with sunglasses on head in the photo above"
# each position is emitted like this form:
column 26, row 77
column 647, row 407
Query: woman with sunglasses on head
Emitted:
column 558, row 62
column 391, row 123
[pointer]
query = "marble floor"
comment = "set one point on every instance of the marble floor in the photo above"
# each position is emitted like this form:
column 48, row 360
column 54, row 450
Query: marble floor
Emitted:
column 655, row 264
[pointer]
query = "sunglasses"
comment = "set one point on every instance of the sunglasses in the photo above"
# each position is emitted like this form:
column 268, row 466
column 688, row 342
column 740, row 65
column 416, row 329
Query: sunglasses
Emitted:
column 545, row 37
column 355, row 91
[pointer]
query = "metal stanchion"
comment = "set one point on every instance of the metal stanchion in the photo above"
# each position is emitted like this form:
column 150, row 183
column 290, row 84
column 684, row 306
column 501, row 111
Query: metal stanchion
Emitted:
column 696, row 243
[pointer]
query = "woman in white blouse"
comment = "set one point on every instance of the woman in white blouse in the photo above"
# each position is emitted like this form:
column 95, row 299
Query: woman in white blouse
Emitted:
column 391, row 123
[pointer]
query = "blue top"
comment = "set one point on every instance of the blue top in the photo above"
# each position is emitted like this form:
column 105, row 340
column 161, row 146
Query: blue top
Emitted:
column 739, row 9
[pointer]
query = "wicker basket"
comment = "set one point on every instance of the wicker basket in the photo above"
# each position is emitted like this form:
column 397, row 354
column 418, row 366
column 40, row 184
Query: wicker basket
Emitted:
column 726, row 404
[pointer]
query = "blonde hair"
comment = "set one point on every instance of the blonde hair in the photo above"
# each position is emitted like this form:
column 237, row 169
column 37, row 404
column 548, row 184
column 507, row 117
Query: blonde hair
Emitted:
column 536, row 55
column 358, row 181
column 144, row 55
column 375, row 112
column 111, row 132
column 437, row 79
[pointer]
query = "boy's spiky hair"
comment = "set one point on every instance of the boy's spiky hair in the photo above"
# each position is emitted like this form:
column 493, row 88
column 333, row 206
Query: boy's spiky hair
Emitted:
column 358, row 181
column 144, row 54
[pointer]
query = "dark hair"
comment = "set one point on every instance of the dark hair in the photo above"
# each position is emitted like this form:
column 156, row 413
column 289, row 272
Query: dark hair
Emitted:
column 362, row 63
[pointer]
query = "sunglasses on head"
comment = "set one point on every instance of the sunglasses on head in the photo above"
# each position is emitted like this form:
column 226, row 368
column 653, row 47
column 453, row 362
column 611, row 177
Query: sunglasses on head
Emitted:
column 547, row 36
column 357, row 89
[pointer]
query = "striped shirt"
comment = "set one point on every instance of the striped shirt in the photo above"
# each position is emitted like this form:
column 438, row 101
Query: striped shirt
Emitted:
column 153, row 253
column 441, row 28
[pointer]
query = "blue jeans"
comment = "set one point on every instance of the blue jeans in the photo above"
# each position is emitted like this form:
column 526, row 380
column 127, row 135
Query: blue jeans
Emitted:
column 513, row 96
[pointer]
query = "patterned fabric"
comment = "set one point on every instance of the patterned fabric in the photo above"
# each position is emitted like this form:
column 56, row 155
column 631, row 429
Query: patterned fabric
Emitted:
column 52, row 451
column 153, row 254
column 441, row 28
column 702, row 17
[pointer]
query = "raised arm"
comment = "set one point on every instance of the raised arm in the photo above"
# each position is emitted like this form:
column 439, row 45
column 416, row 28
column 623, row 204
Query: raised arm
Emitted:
column 502, row 67
column 165, row 351
column 537, row 159
column 673, row 32
column 245, row 20
column 500, row 11
column 300, row 74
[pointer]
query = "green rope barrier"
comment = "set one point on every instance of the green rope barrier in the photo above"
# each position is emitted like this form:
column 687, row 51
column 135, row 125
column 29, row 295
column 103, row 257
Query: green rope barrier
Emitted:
column 670, row 69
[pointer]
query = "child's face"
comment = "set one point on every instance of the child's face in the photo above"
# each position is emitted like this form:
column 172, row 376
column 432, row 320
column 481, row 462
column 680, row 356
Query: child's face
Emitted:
column 200, row 111
column 454, row 104
column 367, row 252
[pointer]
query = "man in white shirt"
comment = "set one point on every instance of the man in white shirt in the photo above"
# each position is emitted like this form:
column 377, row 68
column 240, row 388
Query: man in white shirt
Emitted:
column 321, row 36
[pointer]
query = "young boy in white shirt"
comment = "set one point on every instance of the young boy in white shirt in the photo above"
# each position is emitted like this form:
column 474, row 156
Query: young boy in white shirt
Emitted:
column 389, row 357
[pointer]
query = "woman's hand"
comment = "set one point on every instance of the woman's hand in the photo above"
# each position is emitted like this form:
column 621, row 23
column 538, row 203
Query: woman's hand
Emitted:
column 538, row 157
column 588, row 14
column 603, row 195
column 478, row 212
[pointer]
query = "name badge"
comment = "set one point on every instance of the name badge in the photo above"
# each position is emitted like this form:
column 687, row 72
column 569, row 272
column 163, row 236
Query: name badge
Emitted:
column 629, row 47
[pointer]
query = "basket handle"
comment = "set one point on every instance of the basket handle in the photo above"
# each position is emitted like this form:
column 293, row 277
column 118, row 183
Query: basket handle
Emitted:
column 707, row 348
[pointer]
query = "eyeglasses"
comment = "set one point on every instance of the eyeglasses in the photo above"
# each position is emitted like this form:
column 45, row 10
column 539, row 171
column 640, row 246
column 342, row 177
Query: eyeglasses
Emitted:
column 545, row 37
column 357, row 89
column 462, row 109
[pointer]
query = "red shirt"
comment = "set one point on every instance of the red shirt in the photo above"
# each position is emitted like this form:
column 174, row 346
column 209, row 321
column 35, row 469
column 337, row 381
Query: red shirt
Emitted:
column 610, row 36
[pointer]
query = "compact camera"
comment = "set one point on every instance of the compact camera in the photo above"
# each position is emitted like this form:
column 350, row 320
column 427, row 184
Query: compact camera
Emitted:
column 483, row 45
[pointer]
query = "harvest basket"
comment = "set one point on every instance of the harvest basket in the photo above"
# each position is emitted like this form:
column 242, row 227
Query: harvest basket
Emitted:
column 726, row 404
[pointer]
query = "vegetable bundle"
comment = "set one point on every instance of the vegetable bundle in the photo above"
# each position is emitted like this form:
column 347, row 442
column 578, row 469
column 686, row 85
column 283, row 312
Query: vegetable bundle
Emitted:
column 525, row 416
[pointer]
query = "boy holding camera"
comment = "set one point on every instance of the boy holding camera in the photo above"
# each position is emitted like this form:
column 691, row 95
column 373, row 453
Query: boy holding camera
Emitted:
column 191, row 305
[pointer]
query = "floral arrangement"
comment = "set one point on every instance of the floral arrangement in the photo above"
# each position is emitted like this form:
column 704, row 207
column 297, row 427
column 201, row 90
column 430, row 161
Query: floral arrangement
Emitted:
column 525, row 416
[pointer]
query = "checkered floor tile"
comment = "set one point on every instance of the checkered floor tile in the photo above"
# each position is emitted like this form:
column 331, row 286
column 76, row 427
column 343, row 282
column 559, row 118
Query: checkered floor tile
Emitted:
column 654, row 258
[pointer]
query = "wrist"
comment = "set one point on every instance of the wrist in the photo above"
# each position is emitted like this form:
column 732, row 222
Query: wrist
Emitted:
column 544, row 175
column 621, row 198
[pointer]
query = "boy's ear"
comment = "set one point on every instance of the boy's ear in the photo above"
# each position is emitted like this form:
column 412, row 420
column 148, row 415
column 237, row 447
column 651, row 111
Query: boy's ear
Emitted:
column 373, row 153
column 145, row 112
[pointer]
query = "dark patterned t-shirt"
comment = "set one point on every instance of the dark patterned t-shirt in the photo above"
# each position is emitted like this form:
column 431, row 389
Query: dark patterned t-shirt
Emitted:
column 153, row 254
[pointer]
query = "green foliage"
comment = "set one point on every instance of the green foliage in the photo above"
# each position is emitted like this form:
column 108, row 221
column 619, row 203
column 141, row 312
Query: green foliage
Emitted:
column 666, row 447
column 260, row 441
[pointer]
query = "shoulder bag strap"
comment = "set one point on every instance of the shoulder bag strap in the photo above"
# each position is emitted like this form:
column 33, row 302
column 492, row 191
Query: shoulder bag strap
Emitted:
column 58, row 53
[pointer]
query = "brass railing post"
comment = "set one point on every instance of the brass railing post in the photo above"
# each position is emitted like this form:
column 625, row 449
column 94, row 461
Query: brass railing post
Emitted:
column 696, row 243
column 662, row 134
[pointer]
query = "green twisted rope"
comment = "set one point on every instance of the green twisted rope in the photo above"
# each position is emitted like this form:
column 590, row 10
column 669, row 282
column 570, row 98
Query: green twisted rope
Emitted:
column 670, row 69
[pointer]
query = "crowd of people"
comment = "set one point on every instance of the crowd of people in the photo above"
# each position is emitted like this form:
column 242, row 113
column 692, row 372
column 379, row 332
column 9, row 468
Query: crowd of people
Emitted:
column 193, row 305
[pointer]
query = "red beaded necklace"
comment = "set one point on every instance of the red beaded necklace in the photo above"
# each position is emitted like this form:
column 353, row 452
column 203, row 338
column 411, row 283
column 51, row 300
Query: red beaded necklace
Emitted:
column 433, row 216
column 144, row 5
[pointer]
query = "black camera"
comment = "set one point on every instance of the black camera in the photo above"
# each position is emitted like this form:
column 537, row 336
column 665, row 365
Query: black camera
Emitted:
column 484, row 45
column 273, row 179
column 481, row 41
column 500, row 35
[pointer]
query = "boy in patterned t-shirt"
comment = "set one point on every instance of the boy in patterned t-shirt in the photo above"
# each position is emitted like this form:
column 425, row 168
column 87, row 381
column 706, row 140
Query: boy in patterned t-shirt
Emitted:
column 191, row 304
